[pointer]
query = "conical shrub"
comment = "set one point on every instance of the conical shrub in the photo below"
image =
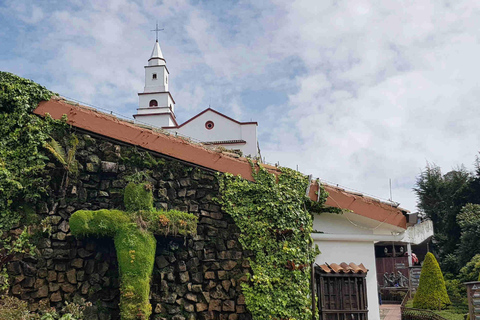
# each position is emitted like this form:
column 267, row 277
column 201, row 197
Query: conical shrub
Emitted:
column 431, row 293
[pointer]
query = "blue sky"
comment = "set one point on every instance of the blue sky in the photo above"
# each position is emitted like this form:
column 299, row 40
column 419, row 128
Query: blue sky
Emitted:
column 354, row 92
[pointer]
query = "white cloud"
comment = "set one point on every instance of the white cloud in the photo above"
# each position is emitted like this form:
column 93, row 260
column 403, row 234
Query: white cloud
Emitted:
column 375, row 88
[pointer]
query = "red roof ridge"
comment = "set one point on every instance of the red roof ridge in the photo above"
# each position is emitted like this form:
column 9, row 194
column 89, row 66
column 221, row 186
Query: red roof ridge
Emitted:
column 158, row 141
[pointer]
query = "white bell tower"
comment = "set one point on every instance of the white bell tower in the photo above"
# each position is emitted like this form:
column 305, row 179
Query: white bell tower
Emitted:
column 156, row 106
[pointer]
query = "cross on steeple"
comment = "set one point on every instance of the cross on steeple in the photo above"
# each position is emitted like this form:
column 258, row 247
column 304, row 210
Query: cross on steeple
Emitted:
column 156, row 31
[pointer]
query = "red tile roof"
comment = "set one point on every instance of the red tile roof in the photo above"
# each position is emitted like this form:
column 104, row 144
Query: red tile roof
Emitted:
column 90, row 119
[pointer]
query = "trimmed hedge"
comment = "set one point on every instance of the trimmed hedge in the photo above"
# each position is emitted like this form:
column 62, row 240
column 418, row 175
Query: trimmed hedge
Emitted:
column 431, row 293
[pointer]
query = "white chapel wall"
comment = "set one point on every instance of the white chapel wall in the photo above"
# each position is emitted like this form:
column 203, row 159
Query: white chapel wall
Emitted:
column 249, row 134
column 222, row 130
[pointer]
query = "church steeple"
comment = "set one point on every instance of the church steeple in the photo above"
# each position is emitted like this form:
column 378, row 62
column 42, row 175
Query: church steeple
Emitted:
column 156, row 59
column 156, row 105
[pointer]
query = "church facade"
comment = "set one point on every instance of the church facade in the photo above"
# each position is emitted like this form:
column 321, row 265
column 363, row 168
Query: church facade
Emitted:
column 156, row 107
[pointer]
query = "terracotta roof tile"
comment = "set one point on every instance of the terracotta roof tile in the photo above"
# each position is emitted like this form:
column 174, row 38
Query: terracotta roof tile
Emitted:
column 342, row 268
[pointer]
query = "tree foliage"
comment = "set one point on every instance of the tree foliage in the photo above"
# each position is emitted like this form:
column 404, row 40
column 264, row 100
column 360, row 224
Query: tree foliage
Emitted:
column 431, row 293
column 469, row 222
column 275, row 225
column 471, row 270
column 441, row 198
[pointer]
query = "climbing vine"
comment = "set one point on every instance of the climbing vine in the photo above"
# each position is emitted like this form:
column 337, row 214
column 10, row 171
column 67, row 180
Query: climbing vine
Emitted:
column 22, row 154
column 275, row 225
column 133, row 233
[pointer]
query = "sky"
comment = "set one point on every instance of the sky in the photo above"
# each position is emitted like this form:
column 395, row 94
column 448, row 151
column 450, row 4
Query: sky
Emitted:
column 357, row 93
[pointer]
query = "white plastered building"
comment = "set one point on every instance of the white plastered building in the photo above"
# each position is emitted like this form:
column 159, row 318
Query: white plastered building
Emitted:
column 350, row 237
column 210, row 127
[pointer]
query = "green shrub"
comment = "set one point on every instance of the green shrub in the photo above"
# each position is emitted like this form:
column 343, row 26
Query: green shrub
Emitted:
column 457, row 291
column 13, row 308
column 471, row 271
column 431, row 293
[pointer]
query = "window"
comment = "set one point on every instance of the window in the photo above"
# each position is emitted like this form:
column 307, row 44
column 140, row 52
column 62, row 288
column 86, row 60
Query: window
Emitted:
column 341, row 296
column 154, row 76
column 153, row 103
column 166, row 79
column 209, row 125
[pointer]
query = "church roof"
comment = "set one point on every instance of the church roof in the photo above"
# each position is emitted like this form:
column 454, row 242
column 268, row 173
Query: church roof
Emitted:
column 156, row 54
column 109, row 126
column 214, row 111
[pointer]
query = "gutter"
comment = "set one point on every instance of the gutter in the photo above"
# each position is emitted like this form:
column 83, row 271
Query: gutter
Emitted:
column 356, row 237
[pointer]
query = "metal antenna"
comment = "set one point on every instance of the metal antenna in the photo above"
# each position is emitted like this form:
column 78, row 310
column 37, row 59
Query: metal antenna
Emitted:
column 390, row 180
column 156, row 31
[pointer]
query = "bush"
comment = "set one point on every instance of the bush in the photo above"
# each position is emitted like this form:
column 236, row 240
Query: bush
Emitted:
column 12, row 308
column 431, row 293
column 457, row 291
column 471, row 271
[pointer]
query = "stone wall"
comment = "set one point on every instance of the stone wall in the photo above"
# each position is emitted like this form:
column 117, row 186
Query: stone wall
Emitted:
column 194, row 278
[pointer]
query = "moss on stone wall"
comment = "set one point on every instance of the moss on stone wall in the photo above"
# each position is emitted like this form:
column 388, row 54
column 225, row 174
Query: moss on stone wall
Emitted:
column 134, row 242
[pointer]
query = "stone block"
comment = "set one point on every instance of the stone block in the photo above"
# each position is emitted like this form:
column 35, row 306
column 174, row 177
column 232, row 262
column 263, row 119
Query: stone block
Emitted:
column 161, row 262
column 159, row 308
column 72, row 276
column 77, row 263
column 226, row 284
column 64, row 226
column 191, row 297
column 228, row 305
column 68, row 288
column 183, row 277
column 199, row 307
column 42, row 273
column 29, row 282
column 56, row 297
column 215, row 305
column 61, row 277
column 42, row 292
column 53, row 286
column 17, row 289
column 110, row 167
column 228, row 265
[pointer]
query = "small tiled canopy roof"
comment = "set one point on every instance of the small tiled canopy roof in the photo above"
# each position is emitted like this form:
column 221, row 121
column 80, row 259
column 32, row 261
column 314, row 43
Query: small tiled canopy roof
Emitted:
column 342, row 268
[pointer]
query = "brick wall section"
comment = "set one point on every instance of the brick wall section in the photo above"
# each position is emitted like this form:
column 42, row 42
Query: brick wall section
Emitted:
column 194, row 278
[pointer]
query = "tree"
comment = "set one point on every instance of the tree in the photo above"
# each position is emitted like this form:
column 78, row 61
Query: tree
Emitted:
column 441, row 198
column 469, row 222
column 431, row 293
column 471, row 270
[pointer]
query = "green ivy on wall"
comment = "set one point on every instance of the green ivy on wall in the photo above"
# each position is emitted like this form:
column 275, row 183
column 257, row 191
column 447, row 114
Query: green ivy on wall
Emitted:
column 133, row 233
column 275, row 225
column 22, row 155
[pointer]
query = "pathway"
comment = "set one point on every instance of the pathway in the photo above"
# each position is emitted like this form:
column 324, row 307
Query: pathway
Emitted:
column 390, row 312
